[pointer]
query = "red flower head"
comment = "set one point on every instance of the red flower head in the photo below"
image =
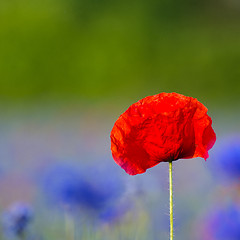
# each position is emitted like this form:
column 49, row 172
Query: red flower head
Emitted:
column 161, row 128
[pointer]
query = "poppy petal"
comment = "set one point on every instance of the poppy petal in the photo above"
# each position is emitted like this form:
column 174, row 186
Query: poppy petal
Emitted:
column 161, row 128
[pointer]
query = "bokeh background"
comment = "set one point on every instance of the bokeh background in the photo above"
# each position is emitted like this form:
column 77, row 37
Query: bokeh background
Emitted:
column 68, row 69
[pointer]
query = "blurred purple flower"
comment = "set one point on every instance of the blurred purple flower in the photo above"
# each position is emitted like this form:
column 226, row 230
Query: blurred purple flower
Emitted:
column 16, row 219
column 61, row 184
column 84, row 187
column 222, row 224
column 226, row 161
column 115, row 212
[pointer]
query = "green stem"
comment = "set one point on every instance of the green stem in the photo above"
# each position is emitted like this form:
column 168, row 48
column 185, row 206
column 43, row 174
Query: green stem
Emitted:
column 22, row 236
column 69, row 226
column 171, row 200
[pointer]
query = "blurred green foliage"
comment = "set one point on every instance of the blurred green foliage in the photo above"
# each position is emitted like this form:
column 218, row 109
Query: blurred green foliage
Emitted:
column 93, row 50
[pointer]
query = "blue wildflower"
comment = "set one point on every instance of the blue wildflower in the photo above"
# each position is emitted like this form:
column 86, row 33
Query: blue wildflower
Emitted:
column 115, row 212
column 81, row 187
column 16, row 219
column 223, row 223
column 226, row 162
column 105, row 182
column 61, row 183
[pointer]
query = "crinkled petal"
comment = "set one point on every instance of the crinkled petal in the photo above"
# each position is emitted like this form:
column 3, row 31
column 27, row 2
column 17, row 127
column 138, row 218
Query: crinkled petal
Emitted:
column 161, row 128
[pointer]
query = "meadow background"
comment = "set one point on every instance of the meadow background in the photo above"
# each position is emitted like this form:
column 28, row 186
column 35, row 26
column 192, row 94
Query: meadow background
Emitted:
column 68, row 69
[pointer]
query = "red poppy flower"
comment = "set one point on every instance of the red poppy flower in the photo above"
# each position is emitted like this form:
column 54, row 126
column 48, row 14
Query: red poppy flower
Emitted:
column 161, row 128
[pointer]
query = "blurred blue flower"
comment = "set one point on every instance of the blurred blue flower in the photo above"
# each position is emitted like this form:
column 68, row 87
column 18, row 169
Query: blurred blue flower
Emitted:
column 226, row 160
column 85, row 187
column 61, row 184
column 104, row 179
column 223, row 223
column 16, row 219
column 115, row 212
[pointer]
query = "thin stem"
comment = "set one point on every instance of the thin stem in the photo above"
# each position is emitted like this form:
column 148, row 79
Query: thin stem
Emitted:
column 69, row 226
column 171, row 200
column 22, row 236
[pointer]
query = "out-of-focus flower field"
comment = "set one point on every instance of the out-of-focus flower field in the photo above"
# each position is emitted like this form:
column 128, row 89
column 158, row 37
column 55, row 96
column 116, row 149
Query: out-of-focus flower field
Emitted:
column 68, row 69
column 58, row 162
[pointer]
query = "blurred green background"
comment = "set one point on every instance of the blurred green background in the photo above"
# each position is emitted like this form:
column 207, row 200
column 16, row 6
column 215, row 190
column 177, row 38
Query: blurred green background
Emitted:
column 81, row 50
